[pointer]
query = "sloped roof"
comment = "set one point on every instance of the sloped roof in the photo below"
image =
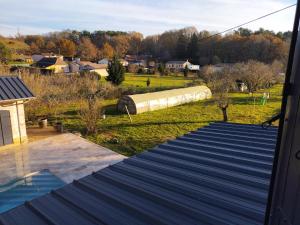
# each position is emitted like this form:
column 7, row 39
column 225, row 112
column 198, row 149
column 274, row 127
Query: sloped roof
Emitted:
column 218, row 174
column 177, row 62
column 13, row 88
column 92, row 65
column 50, row 61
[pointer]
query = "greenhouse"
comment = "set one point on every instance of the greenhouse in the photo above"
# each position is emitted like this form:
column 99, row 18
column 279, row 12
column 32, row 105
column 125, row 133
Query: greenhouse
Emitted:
column 140, row 103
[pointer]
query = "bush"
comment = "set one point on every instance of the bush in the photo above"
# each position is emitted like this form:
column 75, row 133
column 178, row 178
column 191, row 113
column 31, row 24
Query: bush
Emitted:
column 141, row 70
column 90, row 112
column 133, row 68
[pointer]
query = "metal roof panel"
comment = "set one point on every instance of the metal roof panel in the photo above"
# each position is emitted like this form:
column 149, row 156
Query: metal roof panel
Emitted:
column 13, row 88
column 214, row 175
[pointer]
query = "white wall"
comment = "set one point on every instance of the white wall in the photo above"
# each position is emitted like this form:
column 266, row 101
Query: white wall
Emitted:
column 17, row 116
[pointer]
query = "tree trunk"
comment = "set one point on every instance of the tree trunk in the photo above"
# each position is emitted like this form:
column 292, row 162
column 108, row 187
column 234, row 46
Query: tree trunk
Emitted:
column 225, row 117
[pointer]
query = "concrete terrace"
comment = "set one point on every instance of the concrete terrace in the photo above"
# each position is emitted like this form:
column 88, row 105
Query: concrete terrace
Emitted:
column 67, row 156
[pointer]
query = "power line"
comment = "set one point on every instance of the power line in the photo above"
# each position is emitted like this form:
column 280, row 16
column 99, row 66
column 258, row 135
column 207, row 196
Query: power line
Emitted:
column 251, row 21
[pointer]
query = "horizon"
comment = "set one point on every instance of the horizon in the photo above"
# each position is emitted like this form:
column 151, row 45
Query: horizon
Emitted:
column 149, row 18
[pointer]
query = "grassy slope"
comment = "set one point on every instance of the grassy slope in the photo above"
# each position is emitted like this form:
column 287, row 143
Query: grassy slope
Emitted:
column 14, row 44
column 152, row 128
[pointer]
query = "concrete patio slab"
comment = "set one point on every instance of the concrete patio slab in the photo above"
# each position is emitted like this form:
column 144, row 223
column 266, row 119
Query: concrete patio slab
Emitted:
column 66, row 155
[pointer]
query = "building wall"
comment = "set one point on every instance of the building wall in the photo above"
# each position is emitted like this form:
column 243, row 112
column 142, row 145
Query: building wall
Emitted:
column 58, row 68
column 177, row 65
column 101, row 72
column 17, row 116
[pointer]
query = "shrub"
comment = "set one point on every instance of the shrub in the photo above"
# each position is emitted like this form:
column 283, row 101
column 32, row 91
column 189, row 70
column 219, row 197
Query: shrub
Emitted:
column 133, row 68
column 116, row 71
column 90, row 112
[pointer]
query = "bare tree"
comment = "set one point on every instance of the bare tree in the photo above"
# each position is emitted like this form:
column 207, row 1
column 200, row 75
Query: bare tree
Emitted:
column 92, row 93
column 221, row 83
column 255, row 75
column 90, row 113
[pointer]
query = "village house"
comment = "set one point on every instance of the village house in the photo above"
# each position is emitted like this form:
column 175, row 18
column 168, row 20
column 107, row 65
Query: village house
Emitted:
column 138, row 60
column 13, row 95
column 100, row 69
column 52, row 65
column 180, row 65
column 105, row 61
column 38, row 57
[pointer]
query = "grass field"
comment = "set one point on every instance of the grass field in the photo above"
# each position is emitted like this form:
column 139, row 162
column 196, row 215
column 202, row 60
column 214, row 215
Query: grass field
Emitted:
column 149, row 129
column 139, row 82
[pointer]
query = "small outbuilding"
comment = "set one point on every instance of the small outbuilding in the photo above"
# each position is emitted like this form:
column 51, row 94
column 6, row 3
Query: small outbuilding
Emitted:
column 13, row 95
column 163, row 99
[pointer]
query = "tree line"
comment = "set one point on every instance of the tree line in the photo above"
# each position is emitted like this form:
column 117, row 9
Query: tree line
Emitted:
column 188, row 43
column 208, row 48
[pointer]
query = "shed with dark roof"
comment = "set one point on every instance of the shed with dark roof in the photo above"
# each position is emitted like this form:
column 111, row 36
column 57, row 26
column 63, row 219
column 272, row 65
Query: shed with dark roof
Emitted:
column 13, row 95
column 216, row 175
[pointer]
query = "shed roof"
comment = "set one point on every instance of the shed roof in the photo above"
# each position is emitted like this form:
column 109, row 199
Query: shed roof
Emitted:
column 13, row 88
column 218, row 174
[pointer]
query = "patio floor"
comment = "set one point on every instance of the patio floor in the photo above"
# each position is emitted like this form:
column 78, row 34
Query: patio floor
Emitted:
column 66, row 155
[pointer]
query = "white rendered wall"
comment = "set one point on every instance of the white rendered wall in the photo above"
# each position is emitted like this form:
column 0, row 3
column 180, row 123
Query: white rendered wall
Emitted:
column 17, row 117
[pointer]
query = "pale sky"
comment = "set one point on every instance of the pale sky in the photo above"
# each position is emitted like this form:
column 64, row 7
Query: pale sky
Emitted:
column 147, row 17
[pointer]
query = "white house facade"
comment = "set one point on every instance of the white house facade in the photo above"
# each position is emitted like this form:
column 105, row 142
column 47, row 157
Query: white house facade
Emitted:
column 12, row 115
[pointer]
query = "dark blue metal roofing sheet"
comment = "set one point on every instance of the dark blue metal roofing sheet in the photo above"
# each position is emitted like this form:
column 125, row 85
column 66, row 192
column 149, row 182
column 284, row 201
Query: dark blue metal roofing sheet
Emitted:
column 217, row 175
column 13, row 88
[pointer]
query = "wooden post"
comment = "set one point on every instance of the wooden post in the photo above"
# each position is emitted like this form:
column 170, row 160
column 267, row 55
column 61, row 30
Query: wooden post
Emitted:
column 128, row 113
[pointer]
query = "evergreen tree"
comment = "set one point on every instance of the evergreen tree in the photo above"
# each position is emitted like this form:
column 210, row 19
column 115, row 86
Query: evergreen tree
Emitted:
column 193, row 49
column 181, row 47
column 116, row 71
column 186, row 71
column 161, row 69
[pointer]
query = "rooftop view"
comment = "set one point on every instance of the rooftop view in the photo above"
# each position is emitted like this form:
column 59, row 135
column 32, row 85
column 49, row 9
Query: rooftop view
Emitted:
column 145, row 112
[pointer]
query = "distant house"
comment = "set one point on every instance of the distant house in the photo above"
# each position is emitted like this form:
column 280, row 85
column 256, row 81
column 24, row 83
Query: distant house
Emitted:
column 177, row 65
column 194, row 67
column 220, row 66
column 139, row 60
column 100, row 69
column 74, row 67
column 124, row 62
column 24, row 59
column 105, row 61
column 38, row 57
column 151, row 63
column 52, row 65
column 142, row 63
column 180, row 65
column 13, row 95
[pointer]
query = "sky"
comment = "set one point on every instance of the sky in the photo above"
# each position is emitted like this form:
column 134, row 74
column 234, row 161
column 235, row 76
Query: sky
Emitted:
column 148, row 17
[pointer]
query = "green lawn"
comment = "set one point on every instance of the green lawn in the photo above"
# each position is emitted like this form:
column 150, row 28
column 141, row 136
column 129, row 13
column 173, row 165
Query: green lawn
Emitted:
column 149, row 129
column 138, row 82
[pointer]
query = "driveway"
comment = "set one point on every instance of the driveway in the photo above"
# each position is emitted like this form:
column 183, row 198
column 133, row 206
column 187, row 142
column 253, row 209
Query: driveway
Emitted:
column 66, row 155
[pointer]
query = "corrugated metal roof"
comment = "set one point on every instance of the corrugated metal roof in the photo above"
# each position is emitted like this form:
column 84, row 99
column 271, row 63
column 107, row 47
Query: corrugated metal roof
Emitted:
column 13, row 88
column 216, row 175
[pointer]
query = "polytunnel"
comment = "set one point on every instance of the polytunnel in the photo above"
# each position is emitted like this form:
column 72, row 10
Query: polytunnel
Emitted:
column 163, row 99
